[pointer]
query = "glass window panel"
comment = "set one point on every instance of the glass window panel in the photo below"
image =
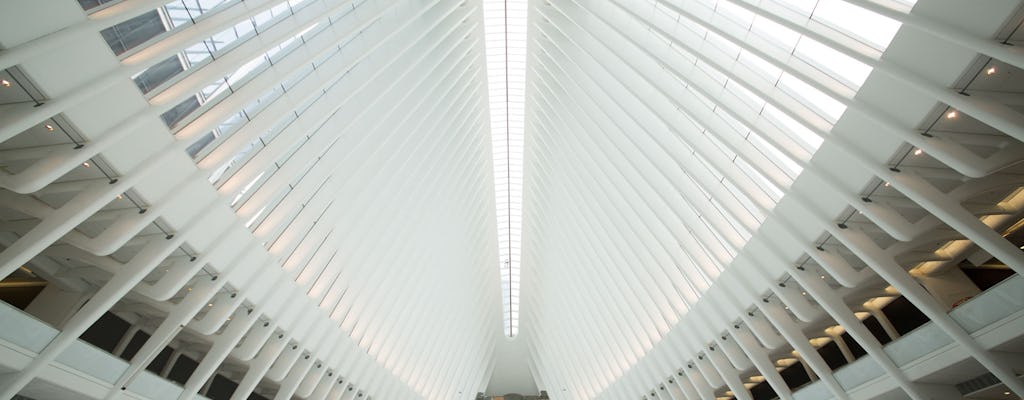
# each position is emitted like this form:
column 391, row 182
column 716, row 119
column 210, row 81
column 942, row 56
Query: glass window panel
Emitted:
column 175, row 115
column 744, row 200
column 725, row 244
column 760, row 180
column 795, row 130
column 802, row 6
column 255, row 106
column 845, row 68
column 735, row 13
column 199, row 145
column 767, row 70
column 158, row 74
column 721, row 146
column 773, row 32
column 755, row 102
column 823, row 104
column 860, row 23
column 197, row 53
column 505, row 31
column 232, row 124
column 738, row 127
column 703, row 99
column 133, row 32
column 776, row 156
column 722, row 44
column 90, row 4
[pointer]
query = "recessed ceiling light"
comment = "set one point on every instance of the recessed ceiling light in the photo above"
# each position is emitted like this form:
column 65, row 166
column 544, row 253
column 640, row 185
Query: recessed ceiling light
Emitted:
column 951, row 114
column 918, row 152
column 5, row 83
column 49, row 127
column 991, row 70
column 86, row 164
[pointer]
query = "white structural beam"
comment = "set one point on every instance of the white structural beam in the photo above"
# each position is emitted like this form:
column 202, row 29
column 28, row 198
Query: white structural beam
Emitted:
column 675, row 180
column 255, row 155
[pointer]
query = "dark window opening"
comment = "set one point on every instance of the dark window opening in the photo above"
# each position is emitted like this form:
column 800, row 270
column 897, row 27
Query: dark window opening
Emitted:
column 158, row 74
column 21, row 287
column 133, row 32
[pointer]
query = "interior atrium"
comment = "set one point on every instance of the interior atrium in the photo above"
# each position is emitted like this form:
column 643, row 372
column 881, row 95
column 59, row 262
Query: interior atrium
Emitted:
column 511, row 199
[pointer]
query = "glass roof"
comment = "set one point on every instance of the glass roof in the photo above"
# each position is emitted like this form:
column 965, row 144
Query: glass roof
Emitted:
column 505, row 36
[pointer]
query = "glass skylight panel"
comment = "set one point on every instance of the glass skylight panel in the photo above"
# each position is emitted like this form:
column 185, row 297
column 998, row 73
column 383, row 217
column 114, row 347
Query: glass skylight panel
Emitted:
column 757, row 64
column 795, row 130
column 755, row 102
column 736, row 13
column 185, row 12
column 744, row 201
column 722, row 44
column 769, row 188
column 774, row 32
column 823, row 104
column 871, row 27
column 780, row 159
column 803, row 6
column 505, row 37
column 841, row 66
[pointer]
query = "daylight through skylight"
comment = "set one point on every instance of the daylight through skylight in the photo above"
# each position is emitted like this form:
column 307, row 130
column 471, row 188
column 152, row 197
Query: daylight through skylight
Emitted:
column 505, row 30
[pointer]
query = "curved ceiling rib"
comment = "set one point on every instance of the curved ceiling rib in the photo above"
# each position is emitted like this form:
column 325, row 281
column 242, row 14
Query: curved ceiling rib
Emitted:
column 292, row 199
column 322, row 165
column 661, row 136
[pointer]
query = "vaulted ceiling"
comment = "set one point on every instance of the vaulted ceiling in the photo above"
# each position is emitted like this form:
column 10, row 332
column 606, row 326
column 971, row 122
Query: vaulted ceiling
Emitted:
column 332, row 171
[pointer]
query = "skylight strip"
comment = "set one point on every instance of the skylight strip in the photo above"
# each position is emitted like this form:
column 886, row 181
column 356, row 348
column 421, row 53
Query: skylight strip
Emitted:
column 505, row 34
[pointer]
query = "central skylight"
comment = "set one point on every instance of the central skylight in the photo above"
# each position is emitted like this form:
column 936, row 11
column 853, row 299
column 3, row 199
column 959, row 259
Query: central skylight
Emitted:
column 505, row 35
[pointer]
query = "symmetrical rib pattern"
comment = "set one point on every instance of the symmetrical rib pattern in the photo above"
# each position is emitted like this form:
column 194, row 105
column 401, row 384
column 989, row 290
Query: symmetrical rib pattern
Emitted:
column 723, row 199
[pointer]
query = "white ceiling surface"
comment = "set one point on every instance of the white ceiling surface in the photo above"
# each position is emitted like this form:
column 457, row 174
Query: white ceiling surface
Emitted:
column 389, row 217
column 606, row 234
column 612, row 227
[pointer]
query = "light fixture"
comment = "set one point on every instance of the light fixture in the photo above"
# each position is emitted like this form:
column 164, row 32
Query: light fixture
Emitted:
column 918, row 152
column 119, row 197
column 86, row 164
column 991, row 70
column 49, row 127
column 209, row 304
column 887, row 184
column 951, row 114
column 5, row 83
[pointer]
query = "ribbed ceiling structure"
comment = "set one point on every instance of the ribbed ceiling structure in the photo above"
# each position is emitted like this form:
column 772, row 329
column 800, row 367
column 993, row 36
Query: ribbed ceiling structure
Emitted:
column 320, row 199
